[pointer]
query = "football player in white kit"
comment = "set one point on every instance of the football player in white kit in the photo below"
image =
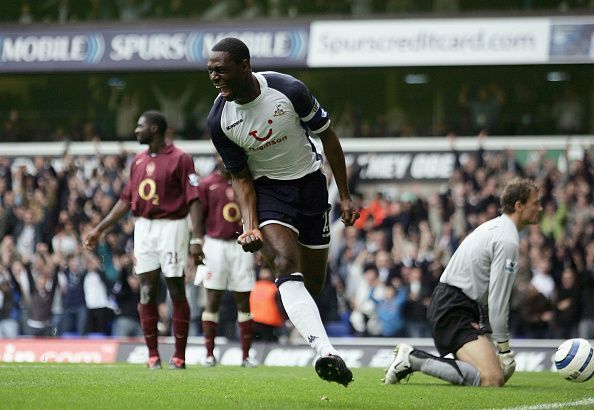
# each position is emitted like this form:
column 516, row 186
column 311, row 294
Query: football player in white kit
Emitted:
column 260, row 125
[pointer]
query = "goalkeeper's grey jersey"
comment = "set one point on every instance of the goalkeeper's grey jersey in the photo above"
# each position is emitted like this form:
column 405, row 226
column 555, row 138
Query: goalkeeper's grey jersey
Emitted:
column 484, row 267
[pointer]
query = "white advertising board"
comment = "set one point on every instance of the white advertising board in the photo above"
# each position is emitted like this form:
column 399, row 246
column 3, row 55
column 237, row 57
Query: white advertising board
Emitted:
column 389, row 43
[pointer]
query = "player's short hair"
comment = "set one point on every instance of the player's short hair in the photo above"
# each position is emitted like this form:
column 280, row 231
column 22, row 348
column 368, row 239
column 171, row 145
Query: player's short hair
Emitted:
column 518, row 189
column 235, row 47
column 156, row 118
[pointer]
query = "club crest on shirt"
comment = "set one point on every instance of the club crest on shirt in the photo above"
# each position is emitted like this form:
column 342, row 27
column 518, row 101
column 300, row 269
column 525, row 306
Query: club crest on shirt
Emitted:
column 150, row 169
column 511, row 266
column 279, row 110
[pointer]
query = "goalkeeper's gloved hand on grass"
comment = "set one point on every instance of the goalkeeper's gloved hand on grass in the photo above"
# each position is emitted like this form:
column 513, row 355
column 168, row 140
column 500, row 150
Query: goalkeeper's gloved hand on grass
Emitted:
column 506, row 360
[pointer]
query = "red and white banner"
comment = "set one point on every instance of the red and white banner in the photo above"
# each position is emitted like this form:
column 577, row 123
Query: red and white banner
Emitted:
column 58, row 350
column 531, row 355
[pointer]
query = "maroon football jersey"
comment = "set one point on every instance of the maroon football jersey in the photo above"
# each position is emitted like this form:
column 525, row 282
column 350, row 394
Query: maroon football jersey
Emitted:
column 161, row 186
column 221, row 212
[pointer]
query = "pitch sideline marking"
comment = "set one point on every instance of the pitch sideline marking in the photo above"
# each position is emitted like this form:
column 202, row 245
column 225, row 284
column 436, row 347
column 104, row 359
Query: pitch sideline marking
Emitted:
column 545, row 406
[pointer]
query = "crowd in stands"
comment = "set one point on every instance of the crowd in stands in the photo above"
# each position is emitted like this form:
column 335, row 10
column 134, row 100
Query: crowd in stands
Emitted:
column 503, row 108
column 381, row 271
column 67, row 11
column 399, row 249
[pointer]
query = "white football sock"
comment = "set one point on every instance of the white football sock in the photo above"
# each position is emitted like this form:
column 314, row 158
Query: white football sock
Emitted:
column 303, row 313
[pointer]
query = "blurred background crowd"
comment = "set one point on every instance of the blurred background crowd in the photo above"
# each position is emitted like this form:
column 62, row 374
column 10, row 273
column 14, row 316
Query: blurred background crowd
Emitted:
column 106, row 105
column 381, row 271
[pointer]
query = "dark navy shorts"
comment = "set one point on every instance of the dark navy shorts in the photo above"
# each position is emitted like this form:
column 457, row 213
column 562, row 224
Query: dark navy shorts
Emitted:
column 299, row 204
column 455, row 319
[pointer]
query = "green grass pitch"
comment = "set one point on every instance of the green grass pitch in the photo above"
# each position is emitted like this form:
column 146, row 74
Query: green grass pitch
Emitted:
column 127, row 386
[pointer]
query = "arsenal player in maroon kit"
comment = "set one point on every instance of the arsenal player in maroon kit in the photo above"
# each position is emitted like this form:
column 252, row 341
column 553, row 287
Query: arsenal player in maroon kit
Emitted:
column 226, row 266
column 161, row 192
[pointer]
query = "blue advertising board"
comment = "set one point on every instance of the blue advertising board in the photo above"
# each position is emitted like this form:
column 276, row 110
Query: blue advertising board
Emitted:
column 143, row 48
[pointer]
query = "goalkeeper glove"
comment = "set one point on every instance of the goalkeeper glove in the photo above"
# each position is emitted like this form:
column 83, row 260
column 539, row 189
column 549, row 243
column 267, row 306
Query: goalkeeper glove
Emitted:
column 506, row 360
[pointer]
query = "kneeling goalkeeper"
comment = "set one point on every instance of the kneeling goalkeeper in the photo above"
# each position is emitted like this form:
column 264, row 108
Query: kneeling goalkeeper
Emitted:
column 479, row 277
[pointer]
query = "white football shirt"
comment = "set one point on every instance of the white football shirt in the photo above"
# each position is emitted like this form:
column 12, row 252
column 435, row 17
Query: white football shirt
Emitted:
column 269, row 135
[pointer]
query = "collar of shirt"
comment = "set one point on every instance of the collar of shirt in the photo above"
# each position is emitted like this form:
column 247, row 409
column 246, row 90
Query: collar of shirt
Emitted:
column 166, row 149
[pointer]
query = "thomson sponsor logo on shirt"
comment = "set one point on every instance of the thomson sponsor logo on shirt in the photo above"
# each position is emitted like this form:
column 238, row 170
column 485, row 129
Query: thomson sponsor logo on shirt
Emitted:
column 236, row 123
column 269, row 143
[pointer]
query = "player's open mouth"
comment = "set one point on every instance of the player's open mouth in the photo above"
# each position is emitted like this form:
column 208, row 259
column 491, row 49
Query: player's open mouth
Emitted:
column 223, row 89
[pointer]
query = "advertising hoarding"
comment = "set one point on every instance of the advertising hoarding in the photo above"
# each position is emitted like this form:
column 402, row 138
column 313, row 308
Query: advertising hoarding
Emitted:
column 143, row 48
column 393, row 43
